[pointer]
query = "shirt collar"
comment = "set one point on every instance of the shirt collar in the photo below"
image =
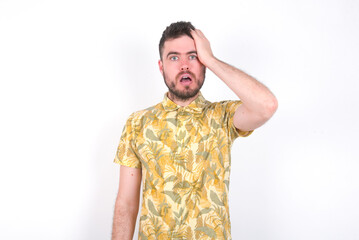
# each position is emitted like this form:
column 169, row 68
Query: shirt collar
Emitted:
column 196, row 105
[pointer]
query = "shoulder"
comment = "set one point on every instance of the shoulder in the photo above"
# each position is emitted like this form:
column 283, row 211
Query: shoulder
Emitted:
column 223, row 106
column 137, row 117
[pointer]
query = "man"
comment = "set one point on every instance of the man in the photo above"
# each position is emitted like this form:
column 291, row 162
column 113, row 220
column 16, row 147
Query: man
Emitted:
column 180, row 148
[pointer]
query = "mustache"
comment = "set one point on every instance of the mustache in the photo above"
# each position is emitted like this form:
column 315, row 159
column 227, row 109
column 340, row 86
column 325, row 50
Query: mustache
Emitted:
column 186, row 72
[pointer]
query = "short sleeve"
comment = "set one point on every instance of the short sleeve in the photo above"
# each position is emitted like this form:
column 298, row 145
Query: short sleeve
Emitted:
column 233, row 132
column 126, row 151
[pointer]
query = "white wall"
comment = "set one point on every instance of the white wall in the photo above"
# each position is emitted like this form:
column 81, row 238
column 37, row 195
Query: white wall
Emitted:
column 72, row 71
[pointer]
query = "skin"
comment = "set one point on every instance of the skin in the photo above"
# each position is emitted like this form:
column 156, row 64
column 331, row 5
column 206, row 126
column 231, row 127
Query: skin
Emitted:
column 258, row 102
column 127, row 203
column 189, row 55
column 180, row 56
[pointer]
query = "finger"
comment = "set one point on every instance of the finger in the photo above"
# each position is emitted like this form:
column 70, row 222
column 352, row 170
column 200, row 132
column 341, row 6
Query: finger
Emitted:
column 200, row 33
column 194, row 33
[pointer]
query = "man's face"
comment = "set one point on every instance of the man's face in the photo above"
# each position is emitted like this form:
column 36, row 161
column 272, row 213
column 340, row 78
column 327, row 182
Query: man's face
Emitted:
column 182, row 71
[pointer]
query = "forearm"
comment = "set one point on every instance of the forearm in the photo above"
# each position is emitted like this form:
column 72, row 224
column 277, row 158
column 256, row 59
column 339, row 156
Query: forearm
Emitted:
column 124, row 222
column 255, row 96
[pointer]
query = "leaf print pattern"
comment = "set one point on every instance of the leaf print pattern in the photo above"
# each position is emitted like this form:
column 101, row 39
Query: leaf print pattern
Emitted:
column 184, row 156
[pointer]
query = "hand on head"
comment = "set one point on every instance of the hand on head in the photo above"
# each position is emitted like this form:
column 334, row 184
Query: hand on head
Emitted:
column 203, row 47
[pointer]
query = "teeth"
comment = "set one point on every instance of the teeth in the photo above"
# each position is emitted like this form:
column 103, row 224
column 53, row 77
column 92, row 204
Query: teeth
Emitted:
column 186, row 78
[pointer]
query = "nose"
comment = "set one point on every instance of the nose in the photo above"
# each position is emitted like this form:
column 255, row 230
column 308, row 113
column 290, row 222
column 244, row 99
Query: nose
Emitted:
column 184, row 66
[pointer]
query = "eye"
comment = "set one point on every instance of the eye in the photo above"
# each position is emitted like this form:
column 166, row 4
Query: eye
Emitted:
column 192, row 57
column 174, row 58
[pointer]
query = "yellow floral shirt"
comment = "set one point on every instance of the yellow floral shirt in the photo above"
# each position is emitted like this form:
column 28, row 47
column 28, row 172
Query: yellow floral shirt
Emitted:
column 184, row 156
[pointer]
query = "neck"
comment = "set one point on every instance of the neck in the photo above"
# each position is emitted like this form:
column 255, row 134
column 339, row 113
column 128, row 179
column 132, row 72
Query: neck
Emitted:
column 181, row 102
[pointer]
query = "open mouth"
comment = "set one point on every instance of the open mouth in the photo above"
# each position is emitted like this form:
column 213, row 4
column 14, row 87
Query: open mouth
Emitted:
column 186, row 79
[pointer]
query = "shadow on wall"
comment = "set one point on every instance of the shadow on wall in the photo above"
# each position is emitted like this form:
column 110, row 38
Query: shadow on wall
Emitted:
column 139, row 76
column 135, row 76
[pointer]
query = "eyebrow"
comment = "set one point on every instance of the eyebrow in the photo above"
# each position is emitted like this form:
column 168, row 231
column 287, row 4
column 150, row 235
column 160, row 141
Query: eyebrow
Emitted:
column 177, row 53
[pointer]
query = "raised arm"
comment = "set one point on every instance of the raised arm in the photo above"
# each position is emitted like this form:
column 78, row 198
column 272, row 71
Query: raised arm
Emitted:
column 127, row 201
column 258, row 102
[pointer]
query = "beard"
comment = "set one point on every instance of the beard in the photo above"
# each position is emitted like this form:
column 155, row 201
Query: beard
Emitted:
column 188, row 92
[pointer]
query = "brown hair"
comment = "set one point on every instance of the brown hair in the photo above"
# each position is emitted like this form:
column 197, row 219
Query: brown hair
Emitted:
column 175, row 30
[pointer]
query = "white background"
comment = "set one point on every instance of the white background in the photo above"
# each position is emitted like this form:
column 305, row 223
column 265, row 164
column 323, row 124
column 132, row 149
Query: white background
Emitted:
column 72, row 71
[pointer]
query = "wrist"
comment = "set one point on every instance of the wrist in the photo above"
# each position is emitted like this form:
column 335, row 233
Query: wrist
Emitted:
column 211, row 62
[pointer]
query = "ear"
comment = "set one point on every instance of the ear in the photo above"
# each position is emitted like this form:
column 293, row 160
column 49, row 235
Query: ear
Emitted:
column 160, row 65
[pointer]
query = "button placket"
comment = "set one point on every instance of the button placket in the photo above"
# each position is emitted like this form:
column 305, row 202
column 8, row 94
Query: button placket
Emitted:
column 179, row 126
column 180, row 131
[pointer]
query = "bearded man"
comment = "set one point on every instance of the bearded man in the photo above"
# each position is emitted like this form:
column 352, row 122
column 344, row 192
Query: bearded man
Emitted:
column 180, row 148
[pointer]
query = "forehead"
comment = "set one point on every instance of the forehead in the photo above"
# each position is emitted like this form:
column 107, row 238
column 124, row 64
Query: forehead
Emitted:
column 183, row 44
